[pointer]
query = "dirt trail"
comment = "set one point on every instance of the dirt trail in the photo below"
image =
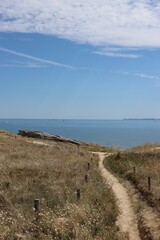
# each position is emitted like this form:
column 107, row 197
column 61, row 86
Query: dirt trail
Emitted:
column 127, row 220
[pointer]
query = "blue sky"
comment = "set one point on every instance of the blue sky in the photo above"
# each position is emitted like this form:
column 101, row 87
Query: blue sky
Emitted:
column 80, row 59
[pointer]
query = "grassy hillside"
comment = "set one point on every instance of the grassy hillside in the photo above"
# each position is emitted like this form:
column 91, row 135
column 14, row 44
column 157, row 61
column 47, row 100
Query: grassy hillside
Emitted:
column 52, row 173
column 137, row 165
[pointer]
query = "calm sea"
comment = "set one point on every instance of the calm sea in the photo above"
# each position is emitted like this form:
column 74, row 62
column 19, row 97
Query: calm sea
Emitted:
column 122, row 133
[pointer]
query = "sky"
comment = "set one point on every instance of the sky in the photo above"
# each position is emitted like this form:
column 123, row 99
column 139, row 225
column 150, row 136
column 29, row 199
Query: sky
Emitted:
column 81, row 59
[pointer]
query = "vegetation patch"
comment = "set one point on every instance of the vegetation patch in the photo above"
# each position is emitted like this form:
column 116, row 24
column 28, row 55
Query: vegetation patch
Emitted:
column 142, row 168
column 53, row 174
column 97, row 148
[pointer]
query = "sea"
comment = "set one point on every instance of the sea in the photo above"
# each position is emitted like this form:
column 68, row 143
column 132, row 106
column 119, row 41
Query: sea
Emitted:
column 111, row 133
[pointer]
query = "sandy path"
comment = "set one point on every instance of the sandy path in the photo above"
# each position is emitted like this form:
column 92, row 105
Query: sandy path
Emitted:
column 127, row 220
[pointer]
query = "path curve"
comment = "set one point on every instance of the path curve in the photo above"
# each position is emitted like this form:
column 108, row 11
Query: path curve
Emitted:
column 127, row 220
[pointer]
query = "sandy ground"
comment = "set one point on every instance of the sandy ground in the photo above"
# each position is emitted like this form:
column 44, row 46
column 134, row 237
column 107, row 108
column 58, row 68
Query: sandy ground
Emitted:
column 41, row 143
column 127, row 220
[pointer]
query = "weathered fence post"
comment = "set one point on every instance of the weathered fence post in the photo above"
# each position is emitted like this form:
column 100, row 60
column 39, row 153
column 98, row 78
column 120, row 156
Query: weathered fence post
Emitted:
column 149, row 183
column 134, row 169
column 89, row 166
column 86, row 178
column 36, row 205
column 78, row 194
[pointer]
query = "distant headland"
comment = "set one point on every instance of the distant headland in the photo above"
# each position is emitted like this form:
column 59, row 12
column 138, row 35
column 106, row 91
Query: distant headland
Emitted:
column 146, row 119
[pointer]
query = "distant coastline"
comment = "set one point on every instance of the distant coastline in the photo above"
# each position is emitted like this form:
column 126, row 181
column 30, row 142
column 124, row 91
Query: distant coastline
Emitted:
column 138, row 119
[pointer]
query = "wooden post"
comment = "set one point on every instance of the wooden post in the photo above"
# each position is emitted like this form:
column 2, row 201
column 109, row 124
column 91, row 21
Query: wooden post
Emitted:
column 149, row 183
column 86, row 178
column 89, row 166
column 78, row 194
column 36, row 205
column 134, row 169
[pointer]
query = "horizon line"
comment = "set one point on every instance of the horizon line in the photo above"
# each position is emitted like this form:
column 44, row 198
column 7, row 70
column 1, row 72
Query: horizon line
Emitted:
column 133, row 118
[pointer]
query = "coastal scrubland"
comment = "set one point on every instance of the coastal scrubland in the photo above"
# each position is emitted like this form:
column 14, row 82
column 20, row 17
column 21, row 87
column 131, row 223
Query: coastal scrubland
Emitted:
column 52, row 173
column 141, row 166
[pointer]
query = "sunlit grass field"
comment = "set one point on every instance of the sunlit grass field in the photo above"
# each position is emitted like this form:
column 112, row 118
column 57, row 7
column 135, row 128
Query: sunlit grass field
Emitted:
column 137, row 165
column 53, row 174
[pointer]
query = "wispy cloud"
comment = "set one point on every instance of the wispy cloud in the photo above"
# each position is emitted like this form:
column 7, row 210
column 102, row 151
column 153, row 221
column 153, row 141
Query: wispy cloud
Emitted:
column 48, row 62
column 100, row 23
column 27, row 64
column 141, row 75
column 20, row 64
column 118, row 52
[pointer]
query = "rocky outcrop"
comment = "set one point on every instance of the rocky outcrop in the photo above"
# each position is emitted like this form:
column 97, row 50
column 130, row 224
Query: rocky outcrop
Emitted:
column 46, row 136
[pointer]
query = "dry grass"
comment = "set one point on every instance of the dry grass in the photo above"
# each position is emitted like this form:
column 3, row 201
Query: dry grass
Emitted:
column 97, row 148
column 146, row 161
column 52, row 174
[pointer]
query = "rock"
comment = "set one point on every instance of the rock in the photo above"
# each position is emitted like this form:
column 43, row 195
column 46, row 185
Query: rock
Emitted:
column 46, row 136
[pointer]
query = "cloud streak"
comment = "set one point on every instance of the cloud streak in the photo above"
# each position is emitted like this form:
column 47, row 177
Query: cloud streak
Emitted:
column 18, row 64
column 141, row 75
column 118, row 52
column 48, row 62
column 101, row 23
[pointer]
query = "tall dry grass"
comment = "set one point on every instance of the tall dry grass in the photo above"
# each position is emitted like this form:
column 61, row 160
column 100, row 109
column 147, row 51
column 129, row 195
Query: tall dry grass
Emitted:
column 52, row 174
column 146, row 161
